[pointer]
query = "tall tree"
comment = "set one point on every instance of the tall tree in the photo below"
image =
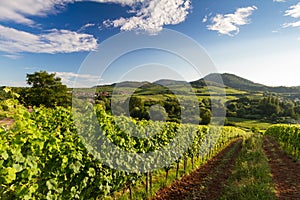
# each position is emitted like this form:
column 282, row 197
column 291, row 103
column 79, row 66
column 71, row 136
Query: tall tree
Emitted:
column 205, row 115
column 46, row 89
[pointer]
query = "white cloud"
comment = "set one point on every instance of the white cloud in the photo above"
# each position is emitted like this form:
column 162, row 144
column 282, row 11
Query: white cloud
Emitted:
column 13, row 83
column 53, row 41
column 30, row 68
column 86, row 26
column 204, row 20
column 294, row 11
column 153, row 15
column 82, row 80
column 69, row 75
column 13, row 56
column 228, row 23
column 292, row 24
column 68, row 78
column 20, row 11
column 280, row 1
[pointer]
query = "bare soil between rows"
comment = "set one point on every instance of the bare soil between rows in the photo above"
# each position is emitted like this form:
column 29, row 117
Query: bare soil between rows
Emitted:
column 285, row 171
column 6, row 122
column 208, row 181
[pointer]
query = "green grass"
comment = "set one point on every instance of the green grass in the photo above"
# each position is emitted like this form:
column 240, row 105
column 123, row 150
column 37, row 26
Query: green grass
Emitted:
column 249, row 123
column 232, row 91
column 251, row 177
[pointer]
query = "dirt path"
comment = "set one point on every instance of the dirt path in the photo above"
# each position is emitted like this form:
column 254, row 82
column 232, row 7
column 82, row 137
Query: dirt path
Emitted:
column 286, row 172
column 207, row 181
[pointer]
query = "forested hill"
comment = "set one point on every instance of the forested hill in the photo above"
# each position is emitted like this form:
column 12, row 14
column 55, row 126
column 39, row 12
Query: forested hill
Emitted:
column 236, row 82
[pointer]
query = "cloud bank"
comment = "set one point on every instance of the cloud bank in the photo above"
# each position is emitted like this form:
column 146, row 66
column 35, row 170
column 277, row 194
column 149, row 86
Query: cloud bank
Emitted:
column 54, row 41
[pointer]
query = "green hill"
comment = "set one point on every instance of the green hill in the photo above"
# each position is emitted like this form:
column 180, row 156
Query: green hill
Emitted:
column 239, row 83
column 230, row 80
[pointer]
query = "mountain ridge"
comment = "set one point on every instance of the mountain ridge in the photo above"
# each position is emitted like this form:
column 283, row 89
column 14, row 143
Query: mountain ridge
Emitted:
column 219, row 80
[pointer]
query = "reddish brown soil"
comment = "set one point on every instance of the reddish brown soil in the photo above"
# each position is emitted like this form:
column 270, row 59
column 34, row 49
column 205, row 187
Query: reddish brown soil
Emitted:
column 286, row 172
column 208, row 181
column 6, row 122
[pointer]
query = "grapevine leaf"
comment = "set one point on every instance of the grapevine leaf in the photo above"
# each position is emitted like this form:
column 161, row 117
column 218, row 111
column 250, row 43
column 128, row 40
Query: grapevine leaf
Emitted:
column 11, row 174
column 92, row 172
column 4, row 155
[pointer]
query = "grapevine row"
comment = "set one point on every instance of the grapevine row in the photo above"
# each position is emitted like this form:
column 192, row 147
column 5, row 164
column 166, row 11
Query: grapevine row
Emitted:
column 43, row 156
column 288, row 136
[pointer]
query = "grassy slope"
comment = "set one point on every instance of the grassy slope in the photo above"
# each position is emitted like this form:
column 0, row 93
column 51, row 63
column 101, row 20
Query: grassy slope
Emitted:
column 248, row 123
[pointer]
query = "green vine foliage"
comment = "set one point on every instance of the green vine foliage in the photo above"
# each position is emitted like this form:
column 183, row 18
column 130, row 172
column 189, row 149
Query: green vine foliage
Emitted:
column 42, row 155
column 288, row 136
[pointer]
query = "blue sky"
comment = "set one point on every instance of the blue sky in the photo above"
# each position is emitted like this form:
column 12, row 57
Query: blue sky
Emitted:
column 258, row 40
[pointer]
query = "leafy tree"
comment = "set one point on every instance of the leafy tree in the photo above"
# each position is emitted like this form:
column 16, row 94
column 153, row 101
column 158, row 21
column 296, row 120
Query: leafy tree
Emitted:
column 288, row 109
column 206, row 102
column 134, row 102
column 46, row 89
column 157, row 113
column 269, row 106
column 137, row 108
column 173, row 109
column 3, row 94
column 205, row 115
column 232, row 107
column 297, row 109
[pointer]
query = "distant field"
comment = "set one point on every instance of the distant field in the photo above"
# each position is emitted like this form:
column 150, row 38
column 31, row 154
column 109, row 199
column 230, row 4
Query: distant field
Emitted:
column 247, row 123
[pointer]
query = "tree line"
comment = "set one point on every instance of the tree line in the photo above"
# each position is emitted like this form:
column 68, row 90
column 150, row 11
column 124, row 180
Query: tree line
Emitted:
column 271, row 108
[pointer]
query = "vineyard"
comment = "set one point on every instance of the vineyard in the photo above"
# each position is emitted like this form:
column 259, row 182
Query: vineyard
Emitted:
column 288, row 136
column 149, row 100
column 47, row 154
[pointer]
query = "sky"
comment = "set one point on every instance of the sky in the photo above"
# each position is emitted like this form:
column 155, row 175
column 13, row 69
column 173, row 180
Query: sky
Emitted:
column 258, row 40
